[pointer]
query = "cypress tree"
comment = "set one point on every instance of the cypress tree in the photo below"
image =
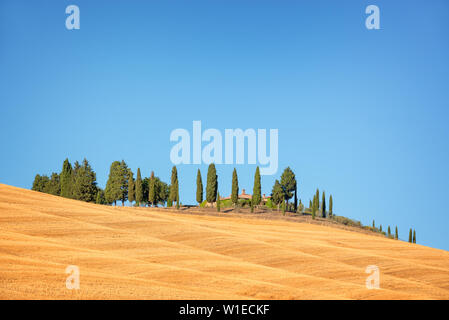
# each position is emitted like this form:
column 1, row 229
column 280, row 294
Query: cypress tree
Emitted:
column 152, row 192
column 317, row 197
column 410, row 236
column 330, row 206
column 174, row 184
column 235, row 188
column 100, row 197
column 380, row 228
column 177, row 196
column 199, row 188
column 414, row 236
column 310, row 204
column 131, row 187
column 66, row 179
column 323, row 206
column 124, row 172
column 396, row 234
column 113, row 191
column 138, row 187
column 218, row 201
column 212, row 184
column 374, row 225
column 257, row 196
column 389, row 231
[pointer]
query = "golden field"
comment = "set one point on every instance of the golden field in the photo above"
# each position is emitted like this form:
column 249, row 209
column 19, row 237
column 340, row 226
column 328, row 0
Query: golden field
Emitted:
column 143, row 253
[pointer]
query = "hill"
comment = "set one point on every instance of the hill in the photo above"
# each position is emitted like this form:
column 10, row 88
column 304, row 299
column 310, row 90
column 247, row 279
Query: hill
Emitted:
column 142, row 253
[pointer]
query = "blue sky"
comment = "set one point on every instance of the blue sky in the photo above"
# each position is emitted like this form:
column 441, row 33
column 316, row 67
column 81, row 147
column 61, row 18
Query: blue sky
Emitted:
column 362, row 114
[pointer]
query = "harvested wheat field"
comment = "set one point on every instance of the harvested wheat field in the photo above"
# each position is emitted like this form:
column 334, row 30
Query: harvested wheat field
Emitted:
column 140, row 253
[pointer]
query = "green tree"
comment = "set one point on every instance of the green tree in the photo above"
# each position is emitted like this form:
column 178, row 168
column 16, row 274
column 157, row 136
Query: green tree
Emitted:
column 138, row 188
column 54, row 185
column 40, row 183
column 218, row 201
column 330, row 206
column 85, row 185
column 317, row 199
column 277, row 194
column 65, row 179
column 414, row 236
column 396, row 234
column 124, row 172
column 374, row 225
column 288, row 183
column 113, row 191
column 152, row 191
column 235, row 188
column 211, row 184
column 257, row 190
column 131, row 187
column 380, row 228
column 177, row 196
column 410, row 236
column 323, row 206
column 174, row 184
column 199, row 187
column 389, row 231
column 100, row 197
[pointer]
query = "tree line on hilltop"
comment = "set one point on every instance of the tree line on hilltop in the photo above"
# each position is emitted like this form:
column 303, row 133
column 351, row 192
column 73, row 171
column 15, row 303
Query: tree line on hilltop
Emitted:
column 79, row 182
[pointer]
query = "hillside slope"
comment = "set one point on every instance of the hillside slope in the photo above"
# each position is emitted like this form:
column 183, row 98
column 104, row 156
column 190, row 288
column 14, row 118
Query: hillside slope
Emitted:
column 139, row 253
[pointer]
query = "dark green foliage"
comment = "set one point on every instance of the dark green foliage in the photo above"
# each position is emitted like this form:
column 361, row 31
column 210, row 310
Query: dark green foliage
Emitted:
column 410, row 236
column 115, row 185
column 323, row 206
column 283, row 208
column 199, row 187
column 177, row 198
column 317, row 199
column 85, row 185
column 396, row 234
column 374, row 225
column 288, row 183
column 218, row 201
column 138, row 188
column 310, row 204
column 100, row 197
column 212, row 184
column 53, row 186
column 380, row 228
column 331, row 204
column 131, row 187
column 257, row 189
column 235, row 188
column 277, row 194
column 40, row 183
column 252, row 207
column 65, row 179
column 174, row 186
column 414, row 236
column 152, row 191
column 389, row 231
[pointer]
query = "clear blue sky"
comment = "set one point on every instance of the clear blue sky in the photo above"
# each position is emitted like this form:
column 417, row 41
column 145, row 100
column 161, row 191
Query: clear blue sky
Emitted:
column 362, row 114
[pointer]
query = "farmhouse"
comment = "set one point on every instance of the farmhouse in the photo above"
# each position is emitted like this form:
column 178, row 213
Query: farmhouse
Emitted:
column 246, row 196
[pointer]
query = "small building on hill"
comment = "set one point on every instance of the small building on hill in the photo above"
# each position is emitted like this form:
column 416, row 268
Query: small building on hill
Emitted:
column 246, row 196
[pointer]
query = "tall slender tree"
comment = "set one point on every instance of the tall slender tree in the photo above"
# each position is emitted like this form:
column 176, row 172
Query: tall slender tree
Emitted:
column 235, row 188
column 331, row 204
column 218, row 201
column 257, row 189
column 113, row 191
column 414, row 236
column 323, row 206
column 410, row 236
column 396, row 234
column 138, row 188
column 199, row 188
column 66, row 179
column 389, row 231
column 211, row 184
column 174, row 184
column 152, row 192
column 124, row 172
column 131, row 187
